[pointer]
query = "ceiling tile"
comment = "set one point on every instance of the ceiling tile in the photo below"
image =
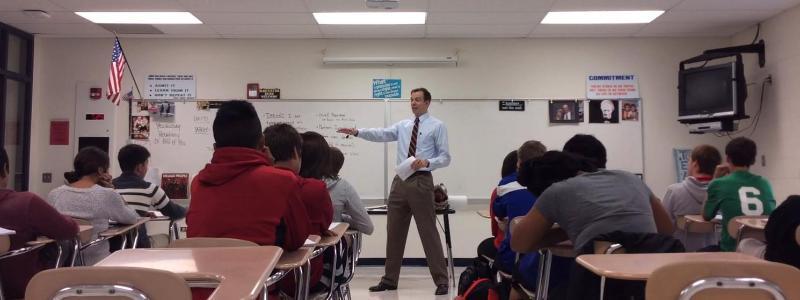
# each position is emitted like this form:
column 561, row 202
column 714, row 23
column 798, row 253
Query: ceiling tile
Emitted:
column 55, row 17
column 575, row 5
column 17, row 5
column 76, row 30
column 489, row 5
column 441, row 18
column 256, row 18
column 588, row 31
column 265, row 29
column 478, row 31
column 715, row 16
column 690, row 30
column 187, row 29
column 736, row 4
column 244, row 5
column 359, row 5
column 375, row 31
column 119, row 5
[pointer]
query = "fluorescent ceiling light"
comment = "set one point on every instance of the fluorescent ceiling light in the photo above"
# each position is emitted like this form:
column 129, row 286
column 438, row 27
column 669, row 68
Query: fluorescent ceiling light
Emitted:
column 370, row 18
column 601, row 17
column 129, row 17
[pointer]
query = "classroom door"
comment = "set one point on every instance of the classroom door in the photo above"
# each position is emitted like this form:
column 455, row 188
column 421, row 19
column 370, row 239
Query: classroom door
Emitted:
column 15, row 102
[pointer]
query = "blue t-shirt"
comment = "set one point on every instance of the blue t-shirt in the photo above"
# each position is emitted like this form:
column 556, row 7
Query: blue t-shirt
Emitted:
column 513, row 200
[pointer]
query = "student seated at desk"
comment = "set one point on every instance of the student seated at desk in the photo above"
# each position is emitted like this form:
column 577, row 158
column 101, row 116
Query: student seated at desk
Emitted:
column 89, row 195
column 781, row 243
column 347, row 205
column 239, row 194
column 488, row 247
column 308, row 161
column 737, row 192
column 30, row 217
column 139, row 194
column 513, row 200
column 688, row 197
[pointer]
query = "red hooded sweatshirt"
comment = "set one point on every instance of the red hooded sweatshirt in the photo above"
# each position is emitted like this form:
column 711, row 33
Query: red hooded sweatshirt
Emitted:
column 238, row 195
column 30, row 217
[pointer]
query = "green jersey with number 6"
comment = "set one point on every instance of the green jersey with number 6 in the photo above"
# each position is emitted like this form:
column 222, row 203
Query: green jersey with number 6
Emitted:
column 741, row 193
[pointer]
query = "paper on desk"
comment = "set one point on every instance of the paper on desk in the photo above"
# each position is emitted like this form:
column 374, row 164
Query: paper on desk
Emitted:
column 4, row 231
column 404, row 169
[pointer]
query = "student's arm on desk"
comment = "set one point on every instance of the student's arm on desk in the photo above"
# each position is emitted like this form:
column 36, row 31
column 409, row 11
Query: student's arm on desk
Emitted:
column 166, row 206
column 118, row 211
column 663, row 222
column 47, row 221
column 534, row 231
column 711, row 206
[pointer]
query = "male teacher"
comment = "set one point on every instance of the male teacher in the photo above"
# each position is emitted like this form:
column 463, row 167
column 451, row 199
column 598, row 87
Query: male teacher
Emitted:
column 424, row 138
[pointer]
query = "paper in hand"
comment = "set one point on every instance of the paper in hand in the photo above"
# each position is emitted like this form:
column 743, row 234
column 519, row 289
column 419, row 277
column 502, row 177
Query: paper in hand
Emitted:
column 404, row 169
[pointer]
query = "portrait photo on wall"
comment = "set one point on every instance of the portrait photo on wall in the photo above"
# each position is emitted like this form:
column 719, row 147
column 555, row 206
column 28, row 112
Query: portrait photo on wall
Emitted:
column 604, row 111
column 566, row 111
column 630, row 110
column 140, row 127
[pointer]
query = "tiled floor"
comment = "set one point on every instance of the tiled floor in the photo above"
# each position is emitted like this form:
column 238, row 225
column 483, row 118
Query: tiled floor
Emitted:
column 415, row 284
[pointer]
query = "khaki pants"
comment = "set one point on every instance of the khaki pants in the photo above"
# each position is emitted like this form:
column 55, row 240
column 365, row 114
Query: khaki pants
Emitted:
column 413, row 197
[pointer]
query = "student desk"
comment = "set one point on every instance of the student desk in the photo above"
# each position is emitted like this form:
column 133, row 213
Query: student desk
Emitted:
column 563, row 249
column 299, row 261
column 696, row 224
column 84, row 235
column 123, row 230
column 749, row 227
column 239, row 271
column 640, row 266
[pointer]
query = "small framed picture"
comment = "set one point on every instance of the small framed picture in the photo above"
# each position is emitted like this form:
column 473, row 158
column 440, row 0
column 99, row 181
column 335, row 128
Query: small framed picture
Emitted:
column 566, row 111
column 252, row 91
column 604, row 111
column 630, row 110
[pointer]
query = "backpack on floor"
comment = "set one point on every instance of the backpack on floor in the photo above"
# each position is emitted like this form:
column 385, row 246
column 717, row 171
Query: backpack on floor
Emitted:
column 479, row 269
column 481, row 289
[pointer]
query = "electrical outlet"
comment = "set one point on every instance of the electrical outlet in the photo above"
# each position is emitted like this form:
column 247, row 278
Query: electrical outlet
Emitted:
column 763, row 160
column 47, row 177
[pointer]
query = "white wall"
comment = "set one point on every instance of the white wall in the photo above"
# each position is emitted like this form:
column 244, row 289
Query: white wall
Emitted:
column 776, row 134
column 488, row 68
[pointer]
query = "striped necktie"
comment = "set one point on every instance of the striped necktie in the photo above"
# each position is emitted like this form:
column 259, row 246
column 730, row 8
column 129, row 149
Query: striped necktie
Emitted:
column 412, row 147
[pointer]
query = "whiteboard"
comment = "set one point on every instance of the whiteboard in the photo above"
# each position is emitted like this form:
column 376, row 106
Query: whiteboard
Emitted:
column 479, row 138
column 184, row 143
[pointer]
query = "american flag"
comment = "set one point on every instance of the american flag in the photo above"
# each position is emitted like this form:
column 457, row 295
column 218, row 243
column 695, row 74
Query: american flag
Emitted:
column 115, row 73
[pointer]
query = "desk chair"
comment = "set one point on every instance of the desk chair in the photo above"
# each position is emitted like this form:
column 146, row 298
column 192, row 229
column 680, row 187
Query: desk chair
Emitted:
column 333, row 242
column 5, row 252
column 107, row 282
column 738, row 231
column 204, row 242
column 692, row 226
column 353, row 254
column 730, row 280
column 606, row 247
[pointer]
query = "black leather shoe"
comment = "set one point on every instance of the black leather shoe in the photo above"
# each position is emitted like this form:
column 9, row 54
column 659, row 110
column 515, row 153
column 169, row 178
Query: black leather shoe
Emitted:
column 382, row 287
column 441, row 289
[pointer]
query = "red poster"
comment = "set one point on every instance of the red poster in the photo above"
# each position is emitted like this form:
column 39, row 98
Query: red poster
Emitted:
column 59, row 132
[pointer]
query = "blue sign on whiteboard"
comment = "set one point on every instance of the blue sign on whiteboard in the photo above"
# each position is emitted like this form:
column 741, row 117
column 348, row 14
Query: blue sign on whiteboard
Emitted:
column 386, row 88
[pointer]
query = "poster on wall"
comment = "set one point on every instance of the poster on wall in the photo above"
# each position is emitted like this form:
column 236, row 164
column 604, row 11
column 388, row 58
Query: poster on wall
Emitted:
column 59, row 132
column 386, row 88
column 171, row 87
column 616, row 86
column 566, row 111
column 605, row 111
column 681, row 163
column 176, row 185
column 140, row 127
column 630, row 110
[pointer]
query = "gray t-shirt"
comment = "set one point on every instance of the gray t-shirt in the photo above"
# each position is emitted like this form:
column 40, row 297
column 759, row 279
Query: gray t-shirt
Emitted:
column 596, row 203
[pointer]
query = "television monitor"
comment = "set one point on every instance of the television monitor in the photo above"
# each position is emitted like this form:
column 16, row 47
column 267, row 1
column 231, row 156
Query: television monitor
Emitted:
column 711, row 92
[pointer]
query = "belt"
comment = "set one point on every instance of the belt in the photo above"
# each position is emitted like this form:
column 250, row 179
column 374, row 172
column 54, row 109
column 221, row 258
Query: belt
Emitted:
column 417, row 173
